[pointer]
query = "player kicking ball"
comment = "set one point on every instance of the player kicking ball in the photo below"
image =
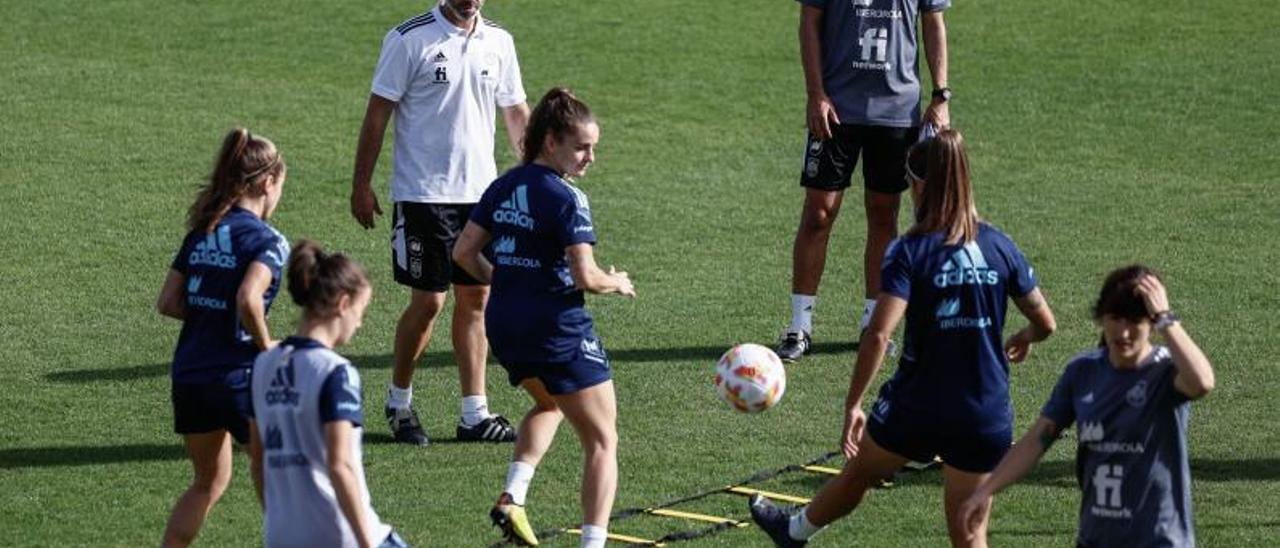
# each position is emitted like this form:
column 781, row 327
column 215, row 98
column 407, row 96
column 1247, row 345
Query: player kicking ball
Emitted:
column 537, row 227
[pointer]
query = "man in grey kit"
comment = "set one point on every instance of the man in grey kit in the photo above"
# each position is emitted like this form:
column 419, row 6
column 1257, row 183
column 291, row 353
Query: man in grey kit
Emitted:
column 861, row 76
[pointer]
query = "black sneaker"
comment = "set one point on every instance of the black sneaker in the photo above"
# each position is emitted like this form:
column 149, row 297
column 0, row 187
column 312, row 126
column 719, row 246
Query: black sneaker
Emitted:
column 494, row 429
column 405, row 427
column 793, row 344
column 774, row 521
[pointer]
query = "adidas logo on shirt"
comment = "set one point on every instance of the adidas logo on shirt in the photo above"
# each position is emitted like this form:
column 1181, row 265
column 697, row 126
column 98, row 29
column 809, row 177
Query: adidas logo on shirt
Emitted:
column 215, row 250
column 440, row 58
column 966, row 267
column 515, row 210
column 281, row 390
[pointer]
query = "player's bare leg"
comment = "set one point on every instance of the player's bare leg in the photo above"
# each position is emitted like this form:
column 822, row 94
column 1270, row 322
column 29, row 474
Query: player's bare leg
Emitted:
column 537, row 431
column 413, row 332
column 471, row 349
column 958, row 486
column 593, row 413
column 210, row 455
column 808, row 260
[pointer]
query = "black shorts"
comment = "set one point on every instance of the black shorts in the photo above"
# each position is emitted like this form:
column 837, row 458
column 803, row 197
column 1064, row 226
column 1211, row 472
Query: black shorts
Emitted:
column 920, row 438
column 828, row 165
column 203, row 408
column 422, row 238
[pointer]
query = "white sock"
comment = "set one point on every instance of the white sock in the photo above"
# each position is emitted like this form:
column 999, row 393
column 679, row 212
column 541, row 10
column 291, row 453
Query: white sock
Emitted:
column 594, row 536
column 474, row 409
column 399, row 398
column 800, row 528
column 802, row 312
column 868, row 308
column 519, row 474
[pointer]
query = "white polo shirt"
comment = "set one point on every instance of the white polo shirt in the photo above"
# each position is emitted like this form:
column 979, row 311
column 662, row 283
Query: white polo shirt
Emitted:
column 446, row 84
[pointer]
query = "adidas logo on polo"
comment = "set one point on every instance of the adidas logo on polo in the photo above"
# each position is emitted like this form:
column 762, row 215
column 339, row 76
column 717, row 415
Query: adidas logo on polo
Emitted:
column 966, row 267
column 515, row 210
column 440, row 58
column 215, row 250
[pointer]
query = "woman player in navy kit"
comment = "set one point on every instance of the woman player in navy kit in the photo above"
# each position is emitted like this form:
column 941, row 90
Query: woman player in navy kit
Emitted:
column 951, row 275
column 541, row 231
column 220, row 285
column 1131, row 399
column 307, row 413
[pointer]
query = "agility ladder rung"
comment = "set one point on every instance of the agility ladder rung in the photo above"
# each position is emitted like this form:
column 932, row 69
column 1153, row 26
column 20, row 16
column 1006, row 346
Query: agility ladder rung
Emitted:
column 821, row 470
column 776, row 496
column 694, row 516
column 621, row 538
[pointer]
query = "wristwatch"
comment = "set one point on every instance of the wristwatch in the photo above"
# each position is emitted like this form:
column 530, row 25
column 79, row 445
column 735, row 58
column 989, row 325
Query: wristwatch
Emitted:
column 942, row 93
column 1166, row 319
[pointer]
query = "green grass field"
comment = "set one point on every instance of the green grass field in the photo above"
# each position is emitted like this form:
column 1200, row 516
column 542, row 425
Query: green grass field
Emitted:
column 1100, row 133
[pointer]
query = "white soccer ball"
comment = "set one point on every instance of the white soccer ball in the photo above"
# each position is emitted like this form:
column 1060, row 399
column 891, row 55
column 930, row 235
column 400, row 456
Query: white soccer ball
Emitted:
column 750, row 378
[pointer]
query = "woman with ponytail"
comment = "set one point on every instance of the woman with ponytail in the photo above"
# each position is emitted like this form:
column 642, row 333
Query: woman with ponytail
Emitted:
column 951, row 275
column 542, row 235
column 220, row 285
column 308, row 415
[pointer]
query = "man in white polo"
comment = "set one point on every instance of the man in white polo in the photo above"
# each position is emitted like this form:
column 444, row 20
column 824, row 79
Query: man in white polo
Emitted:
column 441, row 74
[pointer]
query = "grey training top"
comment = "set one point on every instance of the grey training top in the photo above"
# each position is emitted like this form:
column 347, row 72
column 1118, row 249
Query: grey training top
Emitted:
column 869, row 66
column 1131, row 459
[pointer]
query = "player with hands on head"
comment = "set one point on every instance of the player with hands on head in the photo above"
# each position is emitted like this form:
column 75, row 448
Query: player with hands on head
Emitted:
column 859, row 59
column 441, row 74
column 532, row 237
column 951, row 276
column 307, row 413
column 1131, row 399
column 221, row 285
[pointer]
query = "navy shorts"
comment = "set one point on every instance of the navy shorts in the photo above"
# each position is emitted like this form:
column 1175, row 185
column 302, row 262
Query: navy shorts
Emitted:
column 920, row 437
column 828, row 165
column 589, row 367
column 422, row 238
column 209, row 407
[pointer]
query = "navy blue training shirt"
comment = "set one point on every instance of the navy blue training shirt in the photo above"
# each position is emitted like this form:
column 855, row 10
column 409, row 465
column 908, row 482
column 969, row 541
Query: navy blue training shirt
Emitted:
column 214, row 264
column 535, row 314
column 1131, row 457
column 953, row 364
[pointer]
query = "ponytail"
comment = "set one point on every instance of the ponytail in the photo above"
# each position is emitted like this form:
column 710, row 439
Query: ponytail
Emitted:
column 556, row 114
column 317, row 279
column 947, row 203
column 241, row 169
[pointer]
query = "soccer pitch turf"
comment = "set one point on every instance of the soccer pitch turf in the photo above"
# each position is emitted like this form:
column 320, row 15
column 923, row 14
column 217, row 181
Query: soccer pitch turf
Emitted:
column 1100, row 133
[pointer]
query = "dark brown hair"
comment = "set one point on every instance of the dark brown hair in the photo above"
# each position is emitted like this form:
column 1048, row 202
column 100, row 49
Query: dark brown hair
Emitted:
column 557, row 113
column 1118, row 297
column 318, row 279
column 241, row 169
column 947, row 204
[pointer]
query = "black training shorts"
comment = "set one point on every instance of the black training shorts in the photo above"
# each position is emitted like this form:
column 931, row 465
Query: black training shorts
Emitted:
column 422, row 238
column 828, row 165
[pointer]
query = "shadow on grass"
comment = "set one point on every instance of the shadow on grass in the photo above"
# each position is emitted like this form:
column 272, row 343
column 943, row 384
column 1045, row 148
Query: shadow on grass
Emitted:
column 44, row 457
column 381, row 438
column 438, row 358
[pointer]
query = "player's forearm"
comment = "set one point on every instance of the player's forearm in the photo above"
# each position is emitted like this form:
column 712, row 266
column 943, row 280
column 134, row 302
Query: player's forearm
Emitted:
column 811, row 50
column 516, row 119
column 1195, row 376
column 477, row 266
column 369, row 145
column 935, row 47
column 871, row 350
column 345, row 488
column 595, row 280
column 253, row 317
column 1022, row 457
